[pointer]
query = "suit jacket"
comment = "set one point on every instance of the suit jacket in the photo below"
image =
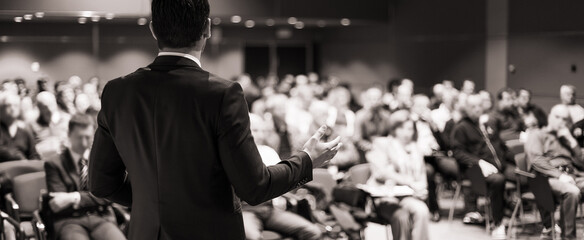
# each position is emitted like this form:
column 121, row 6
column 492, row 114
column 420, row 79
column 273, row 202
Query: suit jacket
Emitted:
column 182, row 136
column 62, row 176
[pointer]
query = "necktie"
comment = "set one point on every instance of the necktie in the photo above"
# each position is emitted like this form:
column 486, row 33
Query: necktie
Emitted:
column 489, row 145
column 83, row 174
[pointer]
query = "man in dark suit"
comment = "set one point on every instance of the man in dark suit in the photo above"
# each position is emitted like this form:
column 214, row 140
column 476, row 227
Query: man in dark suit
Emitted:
column 76, row 213
column 181, row 136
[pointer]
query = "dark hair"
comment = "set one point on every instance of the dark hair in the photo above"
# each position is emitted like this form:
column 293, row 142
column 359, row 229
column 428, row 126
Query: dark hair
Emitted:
column 179, row 23
column 393, row 83
column 505, row 90
column 80, row 121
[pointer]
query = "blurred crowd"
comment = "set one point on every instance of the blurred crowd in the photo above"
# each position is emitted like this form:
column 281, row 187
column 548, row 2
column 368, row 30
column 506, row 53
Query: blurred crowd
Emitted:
column 409, row 140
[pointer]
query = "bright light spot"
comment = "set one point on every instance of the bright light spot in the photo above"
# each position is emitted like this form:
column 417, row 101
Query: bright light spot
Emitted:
column 109, row 16
column 249, row 23
column 27, row 16
column 95, row 18
column 39, row 14
column 86, row 13
column 236, row 19
column 82, row 20
column 216, row 21
column 35, row 66
column 345, row 22
column 299, row 25
column 292, row 20
column 18, row 19
column 142, row 21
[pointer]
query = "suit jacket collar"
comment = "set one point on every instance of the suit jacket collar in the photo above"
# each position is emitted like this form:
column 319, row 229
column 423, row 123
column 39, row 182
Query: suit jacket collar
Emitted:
column 69, row 165
column 171, row 62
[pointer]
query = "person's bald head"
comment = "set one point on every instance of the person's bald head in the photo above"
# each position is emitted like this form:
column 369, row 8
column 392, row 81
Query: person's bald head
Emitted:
column 568, row 94
column 559, row 117
column 474, row 106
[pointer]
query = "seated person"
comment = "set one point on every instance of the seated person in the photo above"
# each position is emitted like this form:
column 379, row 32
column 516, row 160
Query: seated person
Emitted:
column 396, row 160
column 50, row 128
column 553, row 152
column 16, row 142
column 475, row 143
column 347, row 156
column 568, row 98
column 505, row 119
column 265, row 216
column 76, row 213
column 370, row 121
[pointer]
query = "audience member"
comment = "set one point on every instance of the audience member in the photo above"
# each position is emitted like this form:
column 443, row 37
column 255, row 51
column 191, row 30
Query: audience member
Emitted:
column 504, row 119
column 475, row 143
column 370, row 121
column 568, row 98
column 578, row 132
column 16, row 142
column 51, row 127
column 525, row 106
column 65, row 98
column 553, row 152
column 265, row 216
column 76, row 213
column 396, row 160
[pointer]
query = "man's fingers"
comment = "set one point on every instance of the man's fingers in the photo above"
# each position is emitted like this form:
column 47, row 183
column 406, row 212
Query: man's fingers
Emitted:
column 333, row 143
column 319, row 133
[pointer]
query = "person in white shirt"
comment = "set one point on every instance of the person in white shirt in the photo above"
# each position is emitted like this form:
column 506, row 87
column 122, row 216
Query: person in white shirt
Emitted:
column 568, row 98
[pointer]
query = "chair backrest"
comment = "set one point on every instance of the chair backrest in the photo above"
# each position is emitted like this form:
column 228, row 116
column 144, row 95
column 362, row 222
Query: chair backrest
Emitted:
column 477, row 179
column 521, row 162
column 27, row 190
column 12, row 169
column 515, row 146
column 359, row 174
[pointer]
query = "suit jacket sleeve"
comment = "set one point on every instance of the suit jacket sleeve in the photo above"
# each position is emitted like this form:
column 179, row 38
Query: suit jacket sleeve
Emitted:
column 107, row 173
column 252, row 181
column 534, row 149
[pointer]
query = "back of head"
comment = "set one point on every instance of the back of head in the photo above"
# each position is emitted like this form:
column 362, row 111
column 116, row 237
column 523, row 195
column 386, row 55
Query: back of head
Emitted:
column 179, row 23
column 80, row 121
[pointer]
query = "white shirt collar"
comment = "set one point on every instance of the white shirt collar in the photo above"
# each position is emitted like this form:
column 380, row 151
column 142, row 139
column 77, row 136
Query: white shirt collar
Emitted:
column 185, row 55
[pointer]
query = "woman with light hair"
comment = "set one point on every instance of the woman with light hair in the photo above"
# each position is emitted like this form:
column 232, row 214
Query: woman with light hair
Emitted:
column 398, row 168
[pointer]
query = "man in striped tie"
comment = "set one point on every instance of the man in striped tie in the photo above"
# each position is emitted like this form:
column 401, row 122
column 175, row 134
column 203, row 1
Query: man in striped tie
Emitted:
column 76, row 213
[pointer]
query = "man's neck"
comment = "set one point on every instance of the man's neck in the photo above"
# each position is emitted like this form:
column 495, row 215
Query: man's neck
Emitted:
column 191, row 51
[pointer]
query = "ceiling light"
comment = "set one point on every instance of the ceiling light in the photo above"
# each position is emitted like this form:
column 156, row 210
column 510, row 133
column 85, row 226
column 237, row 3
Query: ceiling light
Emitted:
column 27, row 16
column 249, row 23
column 321, row 23
column 82, row 20
column 95, row 18
column 109, row 16
column 292, row 20
column 216, row 21
column 4, row 39
column 18, row 19
column 39, row 14
column 299, row 25
column 142, row 21
column 86, row 13
column 270, row 22
column 345, row 22
column 236, row 19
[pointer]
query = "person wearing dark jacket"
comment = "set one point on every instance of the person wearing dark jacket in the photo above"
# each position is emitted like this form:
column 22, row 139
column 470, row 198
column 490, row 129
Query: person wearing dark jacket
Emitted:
column 174, row 142
column 475, row 143
column 76, row 213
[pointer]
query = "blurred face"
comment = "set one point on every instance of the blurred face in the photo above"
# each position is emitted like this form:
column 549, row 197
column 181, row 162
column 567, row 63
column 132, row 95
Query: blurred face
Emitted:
column 405, row 133
column 507, row 101
column 10, row 110
column 372, row 98
column 559, row 118
column 487, row 101
column 567, row 95
column 258, row 130
column 523, row 98
column 81, row 138
column 420, row 105
column 473, row 107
